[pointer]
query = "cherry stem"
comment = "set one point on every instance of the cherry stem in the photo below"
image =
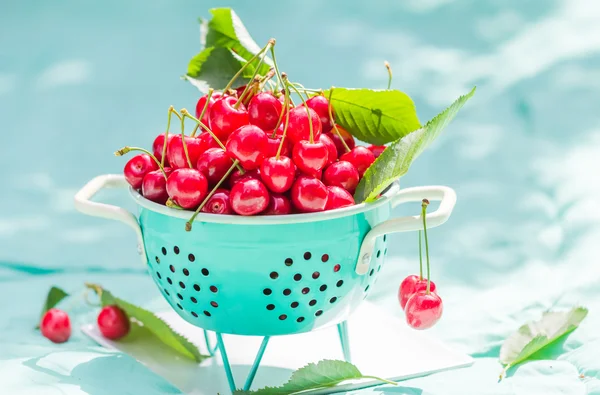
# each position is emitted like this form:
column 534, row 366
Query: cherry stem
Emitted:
column 185, row 150
column 279, row 77
column 266, row 78
column 204, row 109
column 241, row 70
column 185, row 114
column 389, row 70
column 310, row 125
column 333, row 120
column 164, row 149
column 264, row 51
column 250, row 87
column 96, row 288
column 420, row 259
column 287, row 120
column 284, row 110
column 126, row 150
column 188, row 225
column 424, row 215
column 299, row 85
column 170, row 203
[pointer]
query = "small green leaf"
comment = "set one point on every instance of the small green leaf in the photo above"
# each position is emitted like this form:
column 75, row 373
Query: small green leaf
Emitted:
column 154, row 324
column 55, row 295
column 535, row 335
column 214, row 67
column 323, row 374
column 395, row 161
column 374, row 116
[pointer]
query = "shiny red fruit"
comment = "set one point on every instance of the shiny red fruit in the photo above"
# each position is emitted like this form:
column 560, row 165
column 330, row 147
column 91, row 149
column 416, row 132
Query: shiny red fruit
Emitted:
column 347, row 137
column 248, row 145
column 331, row 148
column 225, row 119
column 264, row 111
column 273, row 146
column 214, row 163
column 423, row 310
column 299, row 127
column 377, row 149
column 176, row 153
column 411, row 285
column 218, row 203
column 360, row 157
column 249, row 197
column 341, row 174
column 136, row 169
column 310, row 157
column 113, row 322
column 309, row 194
column 157, row 147
column 337, row 198
column 56, row 326
column 278, row 205
column 154, row 186
column 207, row 141
column 202, row 102
column 321, row 106
column 236, row 176
column 187, row 187
column 278, row 173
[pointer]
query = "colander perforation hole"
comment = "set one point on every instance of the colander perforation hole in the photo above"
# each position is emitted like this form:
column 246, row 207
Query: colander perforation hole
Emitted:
column 316, row 275
column 289, row 261
column 371, row 272
column 196, row 287
column 324, row 258
column 332, row 300
column 194, row 300
column 176, row 250
column 180, row 297
column 180, row 308
column 181, row 284
column 191, row 258
column 270, row 307
column 322, row 288
column 213, row 289
column 385, row 252
column 167, row 292
column 384, row 237
column 157, row 259
column 307, row 255
column 164, row 251
column 367, row 288
column 378, row 253
column 206, row 313
column 318, row 312
column 305, row 290
column 158, row 275
column 204, row 271
column 214, row 304
column 169, row 280
column 379, row 268
column 337, row 268
column 339, row 283
column 287, row 291
column 172, row 268
column 274, row 275
column 294, row 305
column 297, row 277
column 267, row 291
column 194, row 314
column 282, row 317
column 300, row 319
column 312, row 302
column 186, row 272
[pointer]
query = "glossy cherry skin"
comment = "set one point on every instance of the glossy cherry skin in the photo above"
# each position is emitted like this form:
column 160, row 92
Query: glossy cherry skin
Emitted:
column 56, row 326
column 218, row 203
column 207, row 141
column 157, row 147
column 187, row 187
column 248, row 145
column 224, row 119
column 214, row 163
column 176, row 153
column 411, row 285
column 113, row 322
column 202, row 102
column 331, row 148
column 309, row 194
column 423, row 310
column 341, row 174
column 154, row 186
column 273, row 146
column 360, row 157
column 278, row 205
column 299, row 127
column 310, row 157
column 264, row 111
column 337, row 198
column 249, row 197
column 278, row 173
column 377, row 149
column 136, row 169
column 236, row 176
column 321, row 106
column 347, row 137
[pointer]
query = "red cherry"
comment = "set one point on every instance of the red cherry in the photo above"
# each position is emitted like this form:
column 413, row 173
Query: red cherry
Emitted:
column 187, row 187
column 360, row 157
column 214, row 163
column 278, row 173
column 331, row 149
column 202, row 102
column 176, row 154
column 248, row 145
column 113, row 322
column 264, row 111
column 341, row 174
column 224, row 119
column 423, row 310
column 249, row 197
column 337, row 198
column 278, row 205
column 240, row 90
column 236, row 176
column 218, row 203
column 309, row 194
column 377, row 149
column 207, row 141
column 273, row 146
column 136, row 169
column 298, row 126
column 157, row 147
column 411, row 285
column 56, row 326
column 154, row 186
column 321, row 106
column 310, row 157
column 282, row 100
column 347, row 137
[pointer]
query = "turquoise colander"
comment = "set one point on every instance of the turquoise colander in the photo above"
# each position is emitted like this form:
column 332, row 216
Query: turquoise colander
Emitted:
column 266, row 275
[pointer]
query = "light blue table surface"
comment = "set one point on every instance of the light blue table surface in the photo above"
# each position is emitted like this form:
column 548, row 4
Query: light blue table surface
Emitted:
column 81, row 79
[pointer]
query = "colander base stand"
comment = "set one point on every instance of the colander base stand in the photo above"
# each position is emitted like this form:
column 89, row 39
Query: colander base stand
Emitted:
column 227, row 366
column 211, row 349
column 344, row 340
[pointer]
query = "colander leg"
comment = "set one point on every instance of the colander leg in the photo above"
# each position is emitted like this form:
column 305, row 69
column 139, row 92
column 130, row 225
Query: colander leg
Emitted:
column 345, row 340
column 256, row 364
column 226, row 365
column 211, row 349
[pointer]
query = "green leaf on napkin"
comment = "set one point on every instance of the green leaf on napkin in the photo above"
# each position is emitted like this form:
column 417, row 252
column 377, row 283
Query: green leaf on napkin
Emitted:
column 535, row 335
column 151, row 322
column 55, row 295
column 323, row 374
column 398, row 156
column 374, row 116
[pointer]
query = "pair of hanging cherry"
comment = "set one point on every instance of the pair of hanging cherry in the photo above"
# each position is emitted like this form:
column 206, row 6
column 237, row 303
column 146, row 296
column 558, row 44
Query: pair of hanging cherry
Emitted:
column 421, row 304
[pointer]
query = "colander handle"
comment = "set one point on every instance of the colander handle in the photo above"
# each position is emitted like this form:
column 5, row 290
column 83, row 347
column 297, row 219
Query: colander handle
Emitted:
column 86, row 206
column 446, row 195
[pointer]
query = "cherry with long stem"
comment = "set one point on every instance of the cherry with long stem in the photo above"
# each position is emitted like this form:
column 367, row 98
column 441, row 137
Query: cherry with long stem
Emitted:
column 241, row 70
column 333, row 120
column 185, row 150
column 208, row 96
column 389, row 70
column 188, row 225
column 263, row 52
column 424, row 205
column 127, row 149
column 285, row 108
column 420, row 259
column 285, row 127
column 310, row 125
column 164, row 149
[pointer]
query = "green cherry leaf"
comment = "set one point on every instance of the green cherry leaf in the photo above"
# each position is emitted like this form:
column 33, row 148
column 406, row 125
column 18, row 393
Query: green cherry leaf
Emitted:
column 396, row 159
column 214, row 67
column 54, row 297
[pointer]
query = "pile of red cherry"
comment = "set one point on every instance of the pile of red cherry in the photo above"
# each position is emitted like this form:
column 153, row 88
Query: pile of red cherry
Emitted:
column 253, row 156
